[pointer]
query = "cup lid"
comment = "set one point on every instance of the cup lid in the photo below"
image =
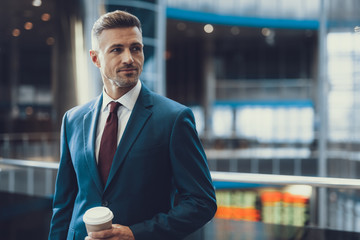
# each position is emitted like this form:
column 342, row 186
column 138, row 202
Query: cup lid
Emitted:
column 97, row 215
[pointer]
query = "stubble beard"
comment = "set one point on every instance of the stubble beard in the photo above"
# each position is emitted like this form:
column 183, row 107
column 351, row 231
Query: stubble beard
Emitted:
column 129, row 80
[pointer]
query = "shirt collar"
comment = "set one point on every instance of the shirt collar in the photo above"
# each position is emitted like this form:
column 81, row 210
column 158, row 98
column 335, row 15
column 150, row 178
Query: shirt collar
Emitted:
column 128, row 100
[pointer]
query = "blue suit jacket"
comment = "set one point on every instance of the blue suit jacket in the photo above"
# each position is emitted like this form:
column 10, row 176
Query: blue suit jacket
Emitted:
column 159, row 155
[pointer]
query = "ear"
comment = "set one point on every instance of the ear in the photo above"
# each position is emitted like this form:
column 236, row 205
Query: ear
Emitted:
column 95, row 58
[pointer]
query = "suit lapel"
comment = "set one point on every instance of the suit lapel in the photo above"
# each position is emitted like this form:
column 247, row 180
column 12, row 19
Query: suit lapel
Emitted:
column 139, row 116
column 89, row 133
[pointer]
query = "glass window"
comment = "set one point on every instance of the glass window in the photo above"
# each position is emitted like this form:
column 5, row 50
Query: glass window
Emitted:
column 344, row 79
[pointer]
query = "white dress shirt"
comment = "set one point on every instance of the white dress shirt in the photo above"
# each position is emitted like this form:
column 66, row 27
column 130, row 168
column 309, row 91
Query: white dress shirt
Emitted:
column 127, row 104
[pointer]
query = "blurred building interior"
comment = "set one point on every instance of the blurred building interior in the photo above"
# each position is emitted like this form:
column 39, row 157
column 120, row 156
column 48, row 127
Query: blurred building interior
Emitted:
column 274, row 86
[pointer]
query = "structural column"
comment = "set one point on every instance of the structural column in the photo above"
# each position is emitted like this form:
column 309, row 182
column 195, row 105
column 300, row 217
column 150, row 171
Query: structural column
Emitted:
column 322, row 112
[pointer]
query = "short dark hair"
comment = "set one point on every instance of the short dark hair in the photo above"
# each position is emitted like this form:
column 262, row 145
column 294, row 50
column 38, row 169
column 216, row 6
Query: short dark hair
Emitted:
column 115, row 19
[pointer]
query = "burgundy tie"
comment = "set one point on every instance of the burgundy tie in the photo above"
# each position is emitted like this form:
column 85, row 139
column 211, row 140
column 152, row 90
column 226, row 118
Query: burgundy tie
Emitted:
column 108, row 142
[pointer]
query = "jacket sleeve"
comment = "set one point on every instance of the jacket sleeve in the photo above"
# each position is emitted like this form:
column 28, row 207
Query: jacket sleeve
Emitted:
column 196, row 196
column 65, row 191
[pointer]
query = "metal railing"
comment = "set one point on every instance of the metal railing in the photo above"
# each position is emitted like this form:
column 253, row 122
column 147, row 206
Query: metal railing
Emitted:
column 340, row 197
column 342, row 201
column 28, row 177
column 271, row 179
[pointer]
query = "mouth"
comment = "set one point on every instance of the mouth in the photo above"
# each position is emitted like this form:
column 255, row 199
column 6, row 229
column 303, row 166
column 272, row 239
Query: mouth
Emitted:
column 127, row 70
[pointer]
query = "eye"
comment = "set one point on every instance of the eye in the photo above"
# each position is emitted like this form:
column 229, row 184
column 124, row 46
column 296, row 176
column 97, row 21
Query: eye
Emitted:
column 136, row 49
column 116, row 50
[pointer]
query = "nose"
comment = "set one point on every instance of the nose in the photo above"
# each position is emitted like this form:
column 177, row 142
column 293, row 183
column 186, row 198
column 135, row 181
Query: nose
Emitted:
column 127, row 57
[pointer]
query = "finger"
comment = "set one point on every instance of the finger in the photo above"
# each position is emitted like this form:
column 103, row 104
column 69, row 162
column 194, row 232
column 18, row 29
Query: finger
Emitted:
column 117, row 226
column 102, row 234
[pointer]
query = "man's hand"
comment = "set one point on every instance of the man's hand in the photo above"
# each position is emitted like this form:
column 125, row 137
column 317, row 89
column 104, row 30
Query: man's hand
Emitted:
column 117, row 232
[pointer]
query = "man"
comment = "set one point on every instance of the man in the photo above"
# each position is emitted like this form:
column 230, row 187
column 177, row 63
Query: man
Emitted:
column 156, row 153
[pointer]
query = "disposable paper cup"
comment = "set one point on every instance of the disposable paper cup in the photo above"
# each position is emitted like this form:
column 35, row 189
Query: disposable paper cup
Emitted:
column 97, row 219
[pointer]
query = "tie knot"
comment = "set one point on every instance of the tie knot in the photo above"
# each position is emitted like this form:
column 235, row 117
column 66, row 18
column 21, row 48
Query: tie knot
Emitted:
column 114, row 106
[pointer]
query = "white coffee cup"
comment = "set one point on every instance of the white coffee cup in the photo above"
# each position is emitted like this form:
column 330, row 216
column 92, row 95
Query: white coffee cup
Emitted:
column 97, row 219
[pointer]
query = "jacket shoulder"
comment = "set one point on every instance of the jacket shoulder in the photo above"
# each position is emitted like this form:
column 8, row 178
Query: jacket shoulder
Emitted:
column 79, row 111
column 167, row 103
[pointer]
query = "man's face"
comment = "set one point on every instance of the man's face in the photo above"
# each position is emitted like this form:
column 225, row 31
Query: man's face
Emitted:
column 119, row 56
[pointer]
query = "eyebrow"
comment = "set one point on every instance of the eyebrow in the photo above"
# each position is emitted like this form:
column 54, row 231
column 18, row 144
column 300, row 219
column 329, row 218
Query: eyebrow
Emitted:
column 121, row 45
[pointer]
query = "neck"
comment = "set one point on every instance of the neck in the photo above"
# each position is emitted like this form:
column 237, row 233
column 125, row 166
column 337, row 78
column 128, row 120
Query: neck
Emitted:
column 115, row 92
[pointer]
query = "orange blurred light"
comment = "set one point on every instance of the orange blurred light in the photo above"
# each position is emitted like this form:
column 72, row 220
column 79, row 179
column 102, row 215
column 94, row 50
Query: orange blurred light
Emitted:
column 16, row 32
column 28, row 25
column 29, row 111
column 45, row 17
column 50, row 41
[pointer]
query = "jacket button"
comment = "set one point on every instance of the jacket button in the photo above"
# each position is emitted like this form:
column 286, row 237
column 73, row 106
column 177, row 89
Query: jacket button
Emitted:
column 105, row 203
